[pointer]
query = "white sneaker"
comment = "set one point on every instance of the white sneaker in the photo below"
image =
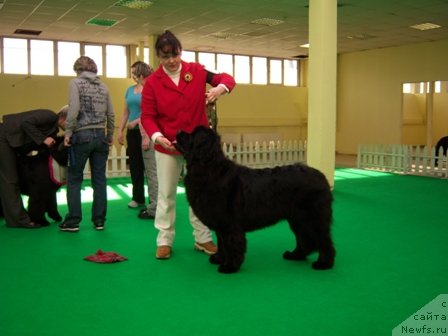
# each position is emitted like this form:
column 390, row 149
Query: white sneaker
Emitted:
column 133, row 204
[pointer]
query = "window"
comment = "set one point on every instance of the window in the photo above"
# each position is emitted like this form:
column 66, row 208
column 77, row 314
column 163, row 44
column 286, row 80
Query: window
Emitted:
column 15, row 57
column 407, row 88
column 95, row 52
column 224, row 63
column 68, row 53
column 207, row 60
column 242, row 69
column 423, row 87
column 116, row 61
column 290, row 73
column 275, row 72
column 259, row 70
column 46, row 57
column 42, row 57
column 145, row 54
column 188, row 56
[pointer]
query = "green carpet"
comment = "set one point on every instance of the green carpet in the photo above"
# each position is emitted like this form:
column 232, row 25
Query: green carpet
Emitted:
column 390, row 232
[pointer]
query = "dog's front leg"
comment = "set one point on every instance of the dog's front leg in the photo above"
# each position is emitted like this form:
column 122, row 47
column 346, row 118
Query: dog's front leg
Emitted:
column 233, row 250
column 52, row 207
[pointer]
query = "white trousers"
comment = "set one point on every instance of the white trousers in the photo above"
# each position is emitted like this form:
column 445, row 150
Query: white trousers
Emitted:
column 169, row 168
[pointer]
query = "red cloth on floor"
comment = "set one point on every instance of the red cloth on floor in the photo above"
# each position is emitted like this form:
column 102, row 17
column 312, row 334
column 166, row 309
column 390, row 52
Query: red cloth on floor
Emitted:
column 105, row 257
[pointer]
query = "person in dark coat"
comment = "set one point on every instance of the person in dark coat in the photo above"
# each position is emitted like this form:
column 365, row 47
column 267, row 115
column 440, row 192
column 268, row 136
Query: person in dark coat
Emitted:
column 22, row 132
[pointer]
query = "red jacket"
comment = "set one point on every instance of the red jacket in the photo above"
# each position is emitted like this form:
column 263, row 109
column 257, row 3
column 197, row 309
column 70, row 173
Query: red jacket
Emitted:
column 167, row 108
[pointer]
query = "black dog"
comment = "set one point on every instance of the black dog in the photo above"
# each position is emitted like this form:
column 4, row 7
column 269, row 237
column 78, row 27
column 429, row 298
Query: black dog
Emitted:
column 232, row 199
column 442, row 143
column 37, row 181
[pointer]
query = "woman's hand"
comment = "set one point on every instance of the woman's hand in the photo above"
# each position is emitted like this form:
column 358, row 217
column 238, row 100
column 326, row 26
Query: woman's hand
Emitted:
column 165, row 143
column 145, row 142
column 120, row 138
column 213, row 94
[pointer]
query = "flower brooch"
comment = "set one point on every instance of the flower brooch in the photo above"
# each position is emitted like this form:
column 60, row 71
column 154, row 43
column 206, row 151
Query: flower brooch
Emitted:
column 188, row 77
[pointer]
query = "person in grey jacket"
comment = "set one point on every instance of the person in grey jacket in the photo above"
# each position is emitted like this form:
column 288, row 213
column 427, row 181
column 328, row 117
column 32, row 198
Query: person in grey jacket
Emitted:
column 89, row 133
column 21, row 133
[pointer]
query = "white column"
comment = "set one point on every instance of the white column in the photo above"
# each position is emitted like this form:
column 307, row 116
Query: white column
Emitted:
column 429, row 113
column 153, row 59
column 321, row 145
column 141, row 51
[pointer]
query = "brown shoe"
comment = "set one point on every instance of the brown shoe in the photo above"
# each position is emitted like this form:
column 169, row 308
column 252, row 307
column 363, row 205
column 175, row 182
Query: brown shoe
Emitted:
column 208, row 247
column 163, row 252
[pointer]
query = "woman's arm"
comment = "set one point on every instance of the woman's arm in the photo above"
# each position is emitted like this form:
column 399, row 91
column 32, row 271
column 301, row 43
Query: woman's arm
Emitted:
column 123, row 122
column 222, row 83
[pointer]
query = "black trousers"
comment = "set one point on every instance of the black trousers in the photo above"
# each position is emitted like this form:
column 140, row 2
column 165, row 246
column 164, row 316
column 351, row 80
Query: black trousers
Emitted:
column 136, row 165
column 13, row 210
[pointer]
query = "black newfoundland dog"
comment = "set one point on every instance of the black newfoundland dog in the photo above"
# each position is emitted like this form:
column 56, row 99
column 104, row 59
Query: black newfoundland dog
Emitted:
column 37, row 180
column 232, row 199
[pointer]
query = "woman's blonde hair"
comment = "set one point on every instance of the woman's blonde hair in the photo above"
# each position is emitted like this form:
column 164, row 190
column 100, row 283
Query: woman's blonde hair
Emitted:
column 140, row 68
column 85, row 63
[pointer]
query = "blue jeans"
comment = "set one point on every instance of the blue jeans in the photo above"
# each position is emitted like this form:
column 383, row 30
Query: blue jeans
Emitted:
column 89, row 145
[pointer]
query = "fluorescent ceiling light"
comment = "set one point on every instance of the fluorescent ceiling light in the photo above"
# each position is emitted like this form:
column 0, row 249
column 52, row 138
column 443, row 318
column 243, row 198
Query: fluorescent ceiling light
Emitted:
column 223, row 35
column 267, row 22
column 134, row 4
column 425, row 26
column 360, row 37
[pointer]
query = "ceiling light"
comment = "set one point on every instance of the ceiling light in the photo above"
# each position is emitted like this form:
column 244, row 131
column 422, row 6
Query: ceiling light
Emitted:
column 360, row 37
column 425, row 26
column 102, row 22
column 306, row 45
column 267, row 22
column 134, row 4
column 223, row 35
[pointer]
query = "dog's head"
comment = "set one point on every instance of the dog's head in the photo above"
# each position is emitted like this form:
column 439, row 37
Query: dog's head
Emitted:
column 201, row 146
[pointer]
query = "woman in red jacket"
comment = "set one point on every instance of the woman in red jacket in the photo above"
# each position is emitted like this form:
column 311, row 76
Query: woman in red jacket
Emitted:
column 173, row 99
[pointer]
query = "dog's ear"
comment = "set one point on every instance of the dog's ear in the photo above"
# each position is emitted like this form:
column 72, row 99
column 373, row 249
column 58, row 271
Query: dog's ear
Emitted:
column 183, row 142
column 206, row 144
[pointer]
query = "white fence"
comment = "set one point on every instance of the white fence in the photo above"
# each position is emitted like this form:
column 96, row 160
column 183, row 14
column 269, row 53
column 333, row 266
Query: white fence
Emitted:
column 255, row 155
column 266, row 154
column 403, row 159
column 116, row 164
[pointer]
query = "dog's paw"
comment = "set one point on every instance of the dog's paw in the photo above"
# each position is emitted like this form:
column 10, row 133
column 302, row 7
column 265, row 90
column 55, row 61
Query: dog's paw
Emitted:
column 55, row 217
column 215, row 259
column 227, row 269
column 288, row 255
column 320, row 266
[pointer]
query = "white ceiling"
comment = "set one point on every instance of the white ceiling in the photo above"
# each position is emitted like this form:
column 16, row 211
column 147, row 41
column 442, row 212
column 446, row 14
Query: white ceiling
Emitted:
column 225, row 25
